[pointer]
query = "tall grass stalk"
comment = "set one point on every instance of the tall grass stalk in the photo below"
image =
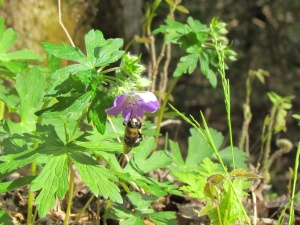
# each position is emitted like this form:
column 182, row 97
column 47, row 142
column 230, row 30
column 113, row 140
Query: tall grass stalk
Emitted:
column 226, row 88
column 291, row 219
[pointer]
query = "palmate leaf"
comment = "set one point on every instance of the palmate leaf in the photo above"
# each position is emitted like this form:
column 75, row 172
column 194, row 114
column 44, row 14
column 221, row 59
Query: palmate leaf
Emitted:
column 93, row 41
column 141, row 164
column 97, row 177
column 67, row 107
column 59, row 78
column 99, row 143
column 18, row 150
column 53, row 180
column 144, row 164
column 7, row 38
column 195, row 39
column 31, row 90
column 199, row 147
column 187, row 64
column 100, row 52
column 109, row 52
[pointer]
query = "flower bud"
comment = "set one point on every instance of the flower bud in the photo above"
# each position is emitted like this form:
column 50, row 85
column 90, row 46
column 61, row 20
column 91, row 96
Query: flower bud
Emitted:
column 143, row 82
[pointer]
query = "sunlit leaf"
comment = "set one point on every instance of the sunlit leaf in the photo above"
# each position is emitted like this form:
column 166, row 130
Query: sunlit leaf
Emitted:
column 98, row 178
column 31, row 89
column 53, row 180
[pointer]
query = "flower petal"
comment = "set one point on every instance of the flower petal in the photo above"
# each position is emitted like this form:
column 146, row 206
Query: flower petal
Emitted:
column 134, row 105
column 147, row 96
column 151, row 107
column 120, row 103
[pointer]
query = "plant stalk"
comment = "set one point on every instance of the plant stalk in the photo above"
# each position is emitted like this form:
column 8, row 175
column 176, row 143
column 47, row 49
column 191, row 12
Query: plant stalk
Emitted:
column 292, row 212
column 163, row 105
column 71, row 190
column 267, row 148
column 30, row 194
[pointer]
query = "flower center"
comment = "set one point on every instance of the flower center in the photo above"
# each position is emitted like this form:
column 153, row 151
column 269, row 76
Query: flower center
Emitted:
column 135, row 104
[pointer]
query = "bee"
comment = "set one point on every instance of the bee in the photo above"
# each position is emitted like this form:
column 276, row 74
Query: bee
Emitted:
column 132, row 135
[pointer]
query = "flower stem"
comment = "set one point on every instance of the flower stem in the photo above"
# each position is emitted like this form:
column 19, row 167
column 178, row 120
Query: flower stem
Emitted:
column 163, row 105
column 71, row 190
column 108, row 70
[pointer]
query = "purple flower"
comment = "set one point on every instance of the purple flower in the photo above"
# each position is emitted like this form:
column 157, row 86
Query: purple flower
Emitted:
column 134, row 105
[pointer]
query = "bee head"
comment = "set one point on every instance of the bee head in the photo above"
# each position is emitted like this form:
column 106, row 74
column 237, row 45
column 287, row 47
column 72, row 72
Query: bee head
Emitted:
column 135, row 123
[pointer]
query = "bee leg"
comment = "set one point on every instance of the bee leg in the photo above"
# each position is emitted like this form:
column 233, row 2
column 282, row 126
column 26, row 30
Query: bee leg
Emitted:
column 137, row 143
column 125, row 123
column 140, row 136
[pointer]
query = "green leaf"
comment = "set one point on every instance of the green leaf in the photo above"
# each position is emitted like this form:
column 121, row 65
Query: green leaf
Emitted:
column 15, row 66
column 31, row 90
column 93, row 41
column 65, row 52
column 10, row 100
column 101, row 143
column 206, row 69
column 12, row 162
column 53, row 180
column 141, row 162
column 14, row 184
column 199, row 148
column 7, row 38
column 97, row 177
column 67, row 107
column 60, row 76
column 96, row 113
column 53, row 63
column 187, row 64
column 177, row 157
column 24, row 54
column 240, row 156
column 5, row 219
column 141, row 202
column 173, row 30
column 109, row 52
column 164, row 218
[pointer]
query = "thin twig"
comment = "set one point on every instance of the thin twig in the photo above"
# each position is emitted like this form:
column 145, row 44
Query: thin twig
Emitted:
column 114, row 129
column 83, row 209
column 62, row 25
